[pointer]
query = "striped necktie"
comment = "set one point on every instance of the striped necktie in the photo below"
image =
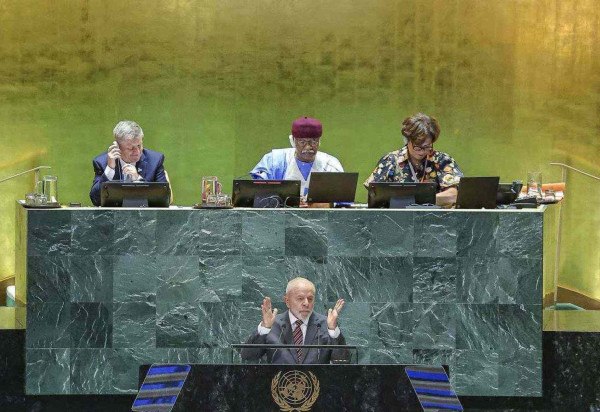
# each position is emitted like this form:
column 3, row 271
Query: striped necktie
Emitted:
column 298, row 339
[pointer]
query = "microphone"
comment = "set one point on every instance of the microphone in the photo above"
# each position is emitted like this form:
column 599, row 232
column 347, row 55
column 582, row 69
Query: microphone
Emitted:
column 140, row 177
column 119, row 169
column 319, row 342
column 125, row 177
column 283, row 328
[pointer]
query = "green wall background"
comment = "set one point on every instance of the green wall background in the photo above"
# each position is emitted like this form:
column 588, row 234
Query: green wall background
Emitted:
column 216, row 84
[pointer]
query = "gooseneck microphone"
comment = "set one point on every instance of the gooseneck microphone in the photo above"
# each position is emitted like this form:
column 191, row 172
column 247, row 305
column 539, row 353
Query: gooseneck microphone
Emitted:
column 319, row 342
column 283, row 328
column 119, row 169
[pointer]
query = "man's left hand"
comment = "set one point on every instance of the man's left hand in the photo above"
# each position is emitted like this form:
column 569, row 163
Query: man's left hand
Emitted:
column 332, row 314
column 132, row 171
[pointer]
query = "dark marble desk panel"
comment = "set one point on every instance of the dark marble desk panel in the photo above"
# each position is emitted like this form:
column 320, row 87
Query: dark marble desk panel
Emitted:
column 108, row 290
column 570, row 380
column 12, row 361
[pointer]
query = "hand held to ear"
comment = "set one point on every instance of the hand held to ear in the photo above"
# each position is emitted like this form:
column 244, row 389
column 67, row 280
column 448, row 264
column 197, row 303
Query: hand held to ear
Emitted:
column 113, row 153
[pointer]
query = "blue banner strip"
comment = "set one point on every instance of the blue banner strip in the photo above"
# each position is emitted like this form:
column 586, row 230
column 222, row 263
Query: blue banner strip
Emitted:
column 161, row 385
column 441, row 406
column 437, row 392
column 163, row 400
column 164, row 369
column 430, row 376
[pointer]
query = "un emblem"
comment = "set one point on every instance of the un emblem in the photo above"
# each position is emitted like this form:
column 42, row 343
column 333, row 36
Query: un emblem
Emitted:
column 295, row 390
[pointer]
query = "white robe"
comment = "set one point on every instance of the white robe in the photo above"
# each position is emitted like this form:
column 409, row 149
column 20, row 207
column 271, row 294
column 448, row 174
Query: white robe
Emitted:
column 281, row 164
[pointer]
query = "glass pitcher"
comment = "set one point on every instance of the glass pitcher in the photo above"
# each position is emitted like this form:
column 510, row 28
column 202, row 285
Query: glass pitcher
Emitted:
column 210, row 187
column 48, row 188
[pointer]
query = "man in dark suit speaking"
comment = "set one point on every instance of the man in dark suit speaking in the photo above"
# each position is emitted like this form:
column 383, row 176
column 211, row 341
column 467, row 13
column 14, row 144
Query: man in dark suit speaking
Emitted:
column 299, row 325
column 127, row 160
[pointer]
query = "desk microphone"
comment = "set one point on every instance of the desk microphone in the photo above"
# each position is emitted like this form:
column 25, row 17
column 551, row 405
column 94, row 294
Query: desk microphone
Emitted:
column 283, row 328
column 119, row 168
column 319, row 342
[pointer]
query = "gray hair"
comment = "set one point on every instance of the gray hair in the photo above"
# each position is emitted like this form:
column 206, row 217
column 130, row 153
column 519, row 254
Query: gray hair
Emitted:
column 127, row 129
column 292, row 283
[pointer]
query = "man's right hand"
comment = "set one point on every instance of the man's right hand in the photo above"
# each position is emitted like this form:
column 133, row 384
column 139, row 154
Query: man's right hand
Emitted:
column 113, row 153
column 268, row 314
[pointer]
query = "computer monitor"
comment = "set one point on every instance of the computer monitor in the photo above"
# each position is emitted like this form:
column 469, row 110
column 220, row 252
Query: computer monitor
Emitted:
column 477, row 192
column 329, row 187
column 398, row 195
column 266, row 193
column 138, row 194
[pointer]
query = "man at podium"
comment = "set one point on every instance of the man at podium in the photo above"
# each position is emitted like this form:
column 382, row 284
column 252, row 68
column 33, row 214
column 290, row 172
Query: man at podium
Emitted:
column 298, row 325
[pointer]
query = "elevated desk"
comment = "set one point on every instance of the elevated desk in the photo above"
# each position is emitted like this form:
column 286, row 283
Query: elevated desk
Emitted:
column 111, row 289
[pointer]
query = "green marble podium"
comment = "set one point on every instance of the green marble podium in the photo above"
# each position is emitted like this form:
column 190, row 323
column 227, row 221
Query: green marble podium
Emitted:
column 108, row 290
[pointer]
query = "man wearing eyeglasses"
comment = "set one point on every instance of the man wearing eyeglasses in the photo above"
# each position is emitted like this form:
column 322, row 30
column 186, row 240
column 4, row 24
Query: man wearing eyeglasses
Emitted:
column 418, row 162
column 299, row 161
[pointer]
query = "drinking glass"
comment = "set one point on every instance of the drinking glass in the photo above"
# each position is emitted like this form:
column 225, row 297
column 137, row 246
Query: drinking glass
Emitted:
column 40, row 199
column 30, row 199
column 534, row 184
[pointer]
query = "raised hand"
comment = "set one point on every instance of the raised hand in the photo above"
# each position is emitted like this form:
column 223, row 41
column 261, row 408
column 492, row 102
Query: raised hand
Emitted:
column 113, row 153
column 332, row 314
column 268, row 314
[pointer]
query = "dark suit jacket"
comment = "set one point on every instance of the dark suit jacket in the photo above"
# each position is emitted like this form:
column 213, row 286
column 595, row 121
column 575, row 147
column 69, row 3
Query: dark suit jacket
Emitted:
column 281, row 333
column 150, row 167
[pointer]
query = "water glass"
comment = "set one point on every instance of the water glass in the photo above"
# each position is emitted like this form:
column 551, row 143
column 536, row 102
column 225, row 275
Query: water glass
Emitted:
column 30, row 199
column 534, row 184
column 40, row 199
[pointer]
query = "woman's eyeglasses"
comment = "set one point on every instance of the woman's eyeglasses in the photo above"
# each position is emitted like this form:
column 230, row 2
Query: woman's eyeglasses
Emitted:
column 422, row 148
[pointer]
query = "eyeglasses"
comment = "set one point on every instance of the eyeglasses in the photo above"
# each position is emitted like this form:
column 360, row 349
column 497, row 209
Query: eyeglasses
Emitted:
column 422, row 148
column 313, row 141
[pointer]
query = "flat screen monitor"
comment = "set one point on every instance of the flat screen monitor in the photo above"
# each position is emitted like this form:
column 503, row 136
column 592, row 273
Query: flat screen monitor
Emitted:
column 266, row 193
column 140, row 194
column 477, row 192
column 398, row 195
column 329, row 187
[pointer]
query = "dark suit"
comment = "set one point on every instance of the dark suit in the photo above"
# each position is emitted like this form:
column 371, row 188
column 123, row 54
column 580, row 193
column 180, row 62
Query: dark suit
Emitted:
column 149, row 167
column 281, row 333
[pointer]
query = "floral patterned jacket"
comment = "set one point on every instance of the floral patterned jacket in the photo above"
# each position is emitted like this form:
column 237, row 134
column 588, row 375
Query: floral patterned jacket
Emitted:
column 394, row 167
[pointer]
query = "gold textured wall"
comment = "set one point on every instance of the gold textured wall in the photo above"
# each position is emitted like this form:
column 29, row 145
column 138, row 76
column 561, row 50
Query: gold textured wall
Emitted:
column 215, row 84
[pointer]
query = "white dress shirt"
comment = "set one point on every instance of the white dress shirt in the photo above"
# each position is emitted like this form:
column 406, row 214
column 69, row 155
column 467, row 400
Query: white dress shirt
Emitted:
column 332, row 333
column 110, row 172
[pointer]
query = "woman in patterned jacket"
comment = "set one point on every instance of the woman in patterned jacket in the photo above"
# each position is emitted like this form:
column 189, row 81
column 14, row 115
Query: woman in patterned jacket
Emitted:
column 418, row 161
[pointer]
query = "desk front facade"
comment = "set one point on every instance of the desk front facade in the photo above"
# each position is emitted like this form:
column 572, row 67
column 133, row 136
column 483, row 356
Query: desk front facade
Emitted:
column 111, row 289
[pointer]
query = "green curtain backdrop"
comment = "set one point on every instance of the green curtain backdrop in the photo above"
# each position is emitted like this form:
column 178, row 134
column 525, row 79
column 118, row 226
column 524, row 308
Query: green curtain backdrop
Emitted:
column 216, row 84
